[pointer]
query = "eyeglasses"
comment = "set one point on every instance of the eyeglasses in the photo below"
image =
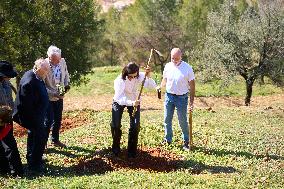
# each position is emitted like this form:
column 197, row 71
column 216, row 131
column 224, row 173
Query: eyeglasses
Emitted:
column 131, row 76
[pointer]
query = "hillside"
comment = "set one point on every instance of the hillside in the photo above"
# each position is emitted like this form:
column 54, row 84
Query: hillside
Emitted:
column 106, row 4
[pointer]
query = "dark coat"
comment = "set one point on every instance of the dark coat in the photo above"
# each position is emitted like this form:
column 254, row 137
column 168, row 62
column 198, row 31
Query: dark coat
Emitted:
column 31, row 101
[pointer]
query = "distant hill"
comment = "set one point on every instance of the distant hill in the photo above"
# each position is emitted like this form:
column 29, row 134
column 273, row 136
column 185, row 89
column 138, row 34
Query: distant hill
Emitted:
column 106, row 4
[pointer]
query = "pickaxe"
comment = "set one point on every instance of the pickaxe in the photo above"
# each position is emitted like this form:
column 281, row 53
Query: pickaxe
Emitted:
column 143, row 82
column 142, row 85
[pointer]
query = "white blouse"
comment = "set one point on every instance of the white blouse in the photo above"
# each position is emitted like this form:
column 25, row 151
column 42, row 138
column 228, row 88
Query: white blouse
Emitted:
column 126, row 91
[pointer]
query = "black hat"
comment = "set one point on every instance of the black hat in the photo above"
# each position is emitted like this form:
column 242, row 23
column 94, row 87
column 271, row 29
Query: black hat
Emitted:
column 7, row 70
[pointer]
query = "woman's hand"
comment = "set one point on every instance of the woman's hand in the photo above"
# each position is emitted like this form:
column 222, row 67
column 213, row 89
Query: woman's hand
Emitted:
column 136, row 103
column 147, row 71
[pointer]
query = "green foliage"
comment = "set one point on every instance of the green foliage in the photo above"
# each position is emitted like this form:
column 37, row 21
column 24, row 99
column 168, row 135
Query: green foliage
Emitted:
column 111, row 47
column 193, row 22
column 142, row 26
column 28, row 28
column 248, row 43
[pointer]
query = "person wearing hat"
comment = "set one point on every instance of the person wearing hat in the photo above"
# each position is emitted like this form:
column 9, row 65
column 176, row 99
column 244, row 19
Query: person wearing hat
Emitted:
column 9, row 155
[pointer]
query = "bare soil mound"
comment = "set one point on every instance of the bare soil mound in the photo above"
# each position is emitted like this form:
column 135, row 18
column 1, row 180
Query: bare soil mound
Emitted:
column 150, row 159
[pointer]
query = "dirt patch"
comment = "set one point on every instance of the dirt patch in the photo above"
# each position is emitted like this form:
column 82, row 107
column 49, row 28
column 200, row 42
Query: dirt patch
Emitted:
column 69, row 120
column 79, row 109
column 150, row 159
column 151, row 102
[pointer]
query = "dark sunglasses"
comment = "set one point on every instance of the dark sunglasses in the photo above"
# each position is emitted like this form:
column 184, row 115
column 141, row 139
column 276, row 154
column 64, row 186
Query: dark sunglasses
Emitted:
column 132, row 76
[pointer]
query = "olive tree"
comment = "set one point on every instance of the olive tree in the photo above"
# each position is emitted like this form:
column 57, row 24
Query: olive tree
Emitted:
column 249, row 44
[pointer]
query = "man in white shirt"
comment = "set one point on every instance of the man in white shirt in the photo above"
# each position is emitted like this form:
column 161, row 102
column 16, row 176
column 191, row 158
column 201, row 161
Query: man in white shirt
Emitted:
column 126, row 92
column 178, row 78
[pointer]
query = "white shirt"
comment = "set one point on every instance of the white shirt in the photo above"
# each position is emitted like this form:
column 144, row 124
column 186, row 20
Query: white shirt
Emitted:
column 178, row 77
column 56, row 72
column 126, row 91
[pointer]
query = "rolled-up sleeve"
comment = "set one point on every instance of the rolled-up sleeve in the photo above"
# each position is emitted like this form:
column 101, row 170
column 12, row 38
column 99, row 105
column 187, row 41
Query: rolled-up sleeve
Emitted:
column 191, row 74
column 149, row 82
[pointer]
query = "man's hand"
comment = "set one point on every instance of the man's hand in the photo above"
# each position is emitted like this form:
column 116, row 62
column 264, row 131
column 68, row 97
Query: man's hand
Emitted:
column 58, row 96
column 67, row 88
column 158, row 89
column 191, row 107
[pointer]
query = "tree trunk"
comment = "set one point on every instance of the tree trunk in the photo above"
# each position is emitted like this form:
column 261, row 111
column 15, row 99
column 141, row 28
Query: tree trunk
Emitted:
column 249, row 84
column 111, row 53
column 262, row 79
column 18, row 79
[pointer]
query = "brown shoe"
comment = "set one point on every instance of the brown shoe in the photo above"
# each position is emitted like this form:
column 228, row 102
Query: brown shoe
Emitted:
column 58, row 144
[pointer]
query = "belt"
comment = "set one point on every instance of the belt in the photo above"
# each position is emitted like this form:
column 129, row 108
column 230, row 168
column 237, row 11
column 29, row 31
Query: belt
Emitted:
column 176, row 94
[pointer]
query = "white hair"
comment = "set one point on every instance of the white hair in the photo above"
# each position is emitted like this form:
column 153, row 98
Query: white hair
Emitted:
column 175, row 51
column 40, row 63
column 53, row 50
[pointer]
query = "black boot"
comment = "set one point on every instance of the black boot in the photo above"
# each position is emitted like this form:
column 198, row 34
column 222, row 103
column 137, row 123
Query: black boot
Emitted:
column 116, row 136
column 132, row 142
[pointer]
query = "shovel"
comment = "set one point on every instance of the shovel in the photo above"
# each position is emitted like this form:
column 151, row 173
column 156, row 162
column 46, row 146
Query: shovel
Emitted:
column 190, row 129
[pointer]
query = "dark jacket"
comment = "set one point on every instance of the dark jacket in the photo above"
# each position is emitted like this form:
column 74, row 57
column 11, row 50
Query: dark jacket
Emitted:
column 31, row 101
column 5, row 99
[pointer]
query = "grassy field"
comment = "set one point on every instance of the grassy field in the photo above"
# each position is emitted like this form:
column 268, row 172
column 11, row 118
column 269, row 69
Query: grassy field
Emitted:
column 235, row 147
column 101, row 82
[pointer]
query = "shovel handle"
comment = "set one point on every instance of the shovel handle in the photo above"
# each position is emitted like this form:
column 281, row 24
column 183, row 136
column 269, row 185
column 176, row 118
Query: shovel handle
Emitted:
column 190, row 128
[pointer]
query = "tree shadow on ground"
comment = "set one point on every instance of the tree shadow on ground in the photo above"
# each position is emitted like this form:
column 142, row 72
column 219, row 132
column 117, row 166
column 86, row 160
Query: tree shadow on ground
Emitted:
column 248, row 155
column 102, row 161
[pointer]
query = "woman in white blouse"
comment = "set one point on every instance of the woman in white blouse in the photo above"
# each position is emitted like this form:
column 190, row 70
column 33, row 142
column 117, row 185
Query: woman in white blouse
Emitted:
column 126, row 92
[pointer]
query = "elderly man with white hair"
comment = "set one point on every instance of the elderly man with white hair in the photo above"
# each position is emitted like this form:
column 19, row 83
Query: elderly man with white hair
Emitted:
column 57, row 84
column 30, row 110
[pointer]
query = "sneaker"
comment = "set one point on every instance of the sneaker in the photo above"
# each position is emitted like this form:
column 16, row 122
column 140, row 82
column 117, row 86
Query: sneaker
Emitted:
column 58, row 144
column 186, row 146
column 165, row 142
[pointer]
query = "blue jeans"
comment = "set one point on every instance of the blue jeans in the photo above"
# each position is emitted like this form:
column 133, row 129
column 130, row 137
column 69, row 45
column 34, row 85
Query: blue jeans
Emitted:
column 179, row 102
column 53, row 119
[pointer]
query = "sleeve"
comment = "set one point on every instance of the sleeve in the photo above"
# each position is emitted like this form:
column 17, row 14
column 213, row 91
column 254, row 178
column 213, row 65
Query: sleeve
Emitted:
column 50, row 91
column 67, row 76
column 28, row 99
column 119, row 94
column 150, row 83
column 165, row 71
column 190, row 74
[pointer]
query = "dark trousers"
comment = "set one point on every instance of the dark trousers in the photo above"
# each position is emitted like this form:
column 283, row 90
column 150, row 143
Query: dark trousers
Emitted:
column 53, row 119
column 36, row 144
column 117, row 111
column 10, row 160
